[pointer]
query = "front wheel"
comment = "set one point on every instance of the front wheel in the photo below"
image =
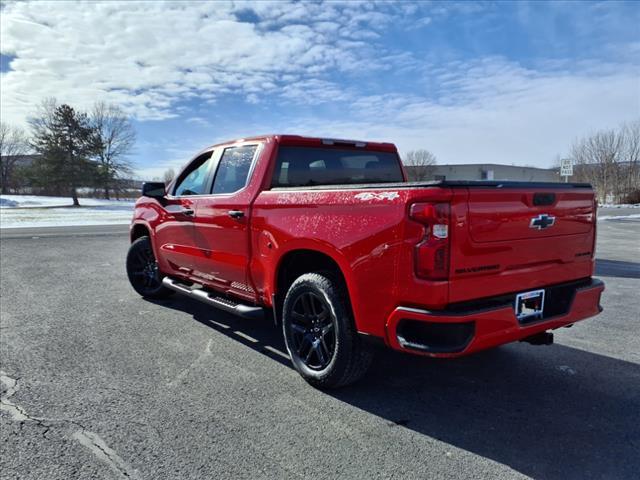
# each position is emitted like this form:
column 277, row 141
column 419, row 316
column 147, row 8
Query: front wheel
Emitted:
column 142, row 270
column 320, row 334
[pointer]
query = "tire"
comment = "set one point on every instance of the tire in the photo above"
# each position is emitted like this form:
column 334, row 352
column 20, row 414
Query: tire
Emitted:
column 320, row 333
column 142, row 270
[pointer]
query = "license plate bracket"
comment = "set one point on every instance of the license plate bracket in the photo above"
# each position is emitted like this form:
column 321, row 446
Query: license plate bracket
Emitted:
column 529, row 306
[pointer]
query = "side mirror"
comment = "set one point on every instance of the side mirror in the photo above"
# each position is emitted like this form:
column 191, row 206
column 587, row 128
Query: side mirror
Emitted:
column 154, row 190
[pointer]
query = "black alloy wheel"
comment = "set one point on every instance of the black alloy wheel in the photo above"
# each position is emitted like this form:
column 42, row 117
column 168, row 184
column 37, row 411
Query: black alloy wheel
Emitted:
column 320, row 332
column 313, row 330
column 143, row 272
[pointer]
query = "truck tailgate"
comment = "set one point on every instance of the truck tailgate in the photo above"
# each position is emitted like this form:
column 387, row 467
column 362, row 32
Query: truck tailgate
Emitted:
column 516, row 239
column 498, row 215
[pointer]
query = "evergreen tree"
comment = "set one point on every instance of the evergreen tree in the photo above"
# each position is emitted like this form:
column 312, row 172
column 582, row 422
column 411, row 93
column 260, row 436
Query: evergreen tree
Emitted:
column 67, row 141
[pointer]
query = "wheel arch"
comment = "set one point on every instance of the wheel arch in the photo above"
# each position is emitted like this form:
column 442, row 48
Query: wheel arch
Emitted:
column 299, row 261
column 139, row 230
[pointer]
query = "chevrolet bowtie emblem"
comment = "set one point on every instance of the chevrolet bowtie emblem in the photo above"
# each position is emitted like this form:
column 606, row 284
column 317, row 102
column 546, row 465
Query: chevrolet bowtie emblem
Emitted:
column 542, row 221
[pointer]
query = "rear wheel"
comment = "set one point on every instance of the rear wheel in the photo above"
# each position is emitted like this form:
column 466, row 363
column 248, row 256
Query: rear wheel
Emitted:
column 320, row 334
column 142, row 270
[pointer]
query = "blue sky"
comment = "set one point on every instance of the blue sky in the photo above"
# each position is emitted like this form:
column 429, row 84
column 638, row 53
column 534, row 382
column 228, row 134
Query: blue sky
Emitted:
column 511, row 83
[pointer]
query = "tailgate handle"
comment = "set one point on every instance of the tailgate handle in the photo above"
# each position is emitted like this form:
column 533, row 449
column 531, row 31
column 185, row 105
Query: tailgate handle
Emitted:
column 541, row 199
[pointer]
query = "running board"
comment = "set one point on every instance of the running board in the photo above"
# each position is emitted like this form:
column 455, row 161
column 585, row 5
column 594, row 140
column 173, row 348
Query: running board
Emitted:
column 222, row 303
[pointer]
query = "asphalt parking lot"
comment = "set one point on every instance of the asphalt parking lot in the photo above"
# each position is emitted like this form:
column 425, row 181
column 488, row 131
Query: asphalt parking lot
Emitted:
column 99, row 383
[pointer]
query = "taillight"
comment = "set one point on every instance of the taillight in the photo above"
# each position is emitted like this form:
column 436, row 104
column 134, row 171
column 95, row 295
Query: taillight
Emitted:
column 432, row 253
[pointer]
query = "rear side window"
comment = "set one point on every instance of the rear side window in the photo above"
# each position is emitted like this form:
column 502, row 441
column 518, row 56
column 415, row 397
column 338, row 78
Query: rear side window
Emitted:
column 194, row 179
column 233, row 170
column 303, row 166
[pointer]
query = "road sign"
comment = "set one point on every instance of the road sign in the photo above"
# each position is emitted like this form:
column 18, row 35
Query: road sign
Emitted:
column 566, row 167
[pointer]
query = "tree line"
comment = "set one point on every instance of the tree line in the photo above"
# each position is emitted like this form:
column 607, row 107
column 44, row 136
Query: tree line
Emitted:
column 75, row 149
column 607, row 159
column 610, row 161
column 66, row 149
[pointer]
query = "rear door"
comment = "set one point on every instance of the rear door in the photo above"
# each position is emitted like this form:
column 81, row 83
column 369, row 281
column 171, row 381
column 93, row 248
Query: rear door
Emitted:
column 221, row 233
column 175, row 235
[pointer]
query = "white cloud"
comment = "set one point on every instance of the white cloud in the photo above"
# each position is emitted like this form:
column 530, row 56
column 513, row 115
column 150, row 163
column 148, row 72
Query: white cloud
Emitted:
column 147, row 56
column 421, row 23
column 201, row 121
column 253, row 99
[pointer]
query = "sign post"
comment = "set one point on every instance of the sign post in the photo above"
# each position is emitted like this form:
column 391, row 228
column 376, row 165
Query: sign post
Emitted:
column 566, row 168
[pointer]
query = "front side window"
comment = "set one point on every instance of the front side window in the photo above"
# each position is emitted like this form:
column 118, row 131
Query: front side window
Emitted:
column 194, row 180
column 307, row 166
column 233, row 170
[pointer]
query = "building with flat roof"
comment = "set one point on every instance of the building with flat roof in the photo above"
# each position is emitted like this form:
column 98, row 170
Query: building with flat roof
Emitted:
column 485, row 171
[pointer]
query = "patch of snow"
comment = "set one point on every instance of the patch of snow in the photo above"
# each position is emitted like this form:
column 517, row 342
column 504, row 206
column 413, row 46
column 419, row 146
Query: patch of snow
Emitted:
column 57, row 217
column 619, row 217
column 37, row 201
column 34, row 211
column 619, row 205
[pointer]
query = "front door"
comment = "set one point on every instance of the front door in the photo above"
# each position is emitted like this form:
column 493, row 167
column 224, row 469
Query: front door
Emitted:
column 174, row 235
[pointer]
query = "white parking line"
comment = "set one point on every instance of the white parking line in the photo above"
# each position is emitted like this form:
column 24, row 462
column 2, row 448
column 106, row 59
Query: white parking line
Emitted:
column 245, row 336
column 277, row 352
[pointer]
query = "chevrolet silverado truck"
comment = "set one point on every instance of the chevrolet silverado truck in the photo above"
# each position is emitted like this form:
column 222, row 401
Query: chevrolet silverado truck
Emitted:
column 330, row 239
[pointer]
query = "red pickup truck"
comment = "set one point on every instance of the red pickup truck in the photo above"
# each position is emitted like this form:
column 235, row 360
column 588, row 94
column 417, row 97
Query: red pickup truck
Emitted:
column 330, row 238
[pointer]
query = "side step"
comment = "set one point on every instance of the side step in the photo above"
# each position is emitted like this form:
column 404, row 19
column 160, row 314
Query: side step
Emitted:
column 222, row 303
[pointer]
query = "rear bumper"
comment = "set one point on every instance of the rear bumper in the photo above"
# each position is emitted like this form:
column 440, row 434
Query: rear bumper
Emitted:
column 466, row 329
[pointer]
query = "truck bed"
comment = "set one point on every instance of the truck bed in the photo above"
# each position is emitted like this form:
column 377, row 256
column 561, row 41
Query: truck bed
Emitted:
column 494, row 248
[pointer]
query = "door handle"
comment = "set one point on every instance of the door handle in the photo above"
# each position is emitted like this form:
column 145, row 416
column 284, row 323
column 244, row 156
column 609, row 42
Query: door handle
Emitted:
column 236, row 213
column 176, row 209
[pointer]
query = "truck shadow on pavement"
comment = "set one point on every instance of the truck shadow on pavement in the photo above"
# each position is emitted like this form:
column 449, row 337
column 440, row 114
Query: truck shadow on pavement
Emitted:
column 617, row 268
column 551, row 412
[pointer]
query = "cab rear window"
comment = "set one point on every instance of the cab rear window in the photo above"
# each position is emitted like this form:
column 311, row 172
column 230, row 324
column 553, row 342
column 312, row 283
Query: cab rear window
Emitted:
column 305, row 167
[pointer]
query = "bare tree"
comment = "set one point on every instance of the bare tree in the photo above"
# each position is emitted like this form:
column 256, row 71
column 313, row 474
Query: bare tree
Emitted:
column 44, row 116
column 595, row 158
column 609, row 160
column 169, row 175
column 13, row 143
column 421, row 164
column 116, row 138
column 631, row 168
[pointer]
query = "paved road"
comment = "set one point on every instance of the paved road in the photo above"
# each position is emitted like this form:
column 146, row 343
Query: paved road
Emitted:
column 98, row 383
column 78, row 231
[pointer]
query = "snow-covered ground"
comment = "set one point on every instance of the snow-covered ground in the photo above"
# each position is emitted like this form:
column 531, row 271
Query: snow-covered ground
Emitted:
column 619, row 217
column 36, row 201
column 619, row 205
column 35, row 211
